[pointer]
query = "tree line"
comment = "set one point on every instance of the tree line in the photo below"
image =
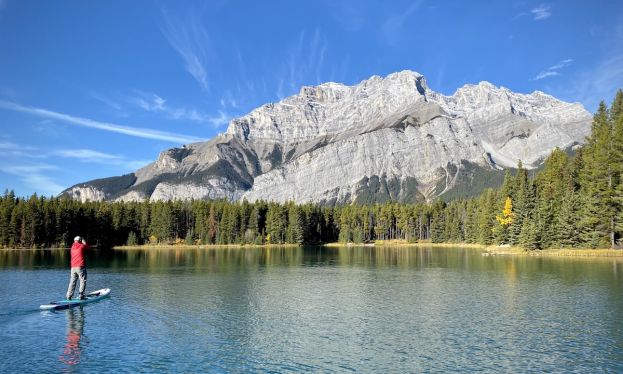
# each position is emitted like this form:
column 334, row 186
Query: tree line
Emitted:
column 572, row 202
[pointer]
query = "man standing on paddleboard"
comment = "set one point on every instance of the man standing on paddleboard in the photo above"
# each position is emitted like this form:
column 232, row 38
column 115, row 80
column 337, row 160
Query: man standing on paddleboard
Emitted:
column 78, row 269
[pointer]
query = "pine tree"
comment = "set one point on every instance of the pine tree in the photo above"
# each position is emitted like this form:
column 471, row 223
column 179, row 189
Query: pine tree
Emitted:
column 597, row 212
column 6, row 209
column 437, row 224
column 212, row 223
column 131, row 239
column 529, row 237
column 252, row 231
column 486, row 216
column 295, row 231
column 519, row 204
column 616, row 117
column 565, row 227
column 190, row 237
column 553, row 184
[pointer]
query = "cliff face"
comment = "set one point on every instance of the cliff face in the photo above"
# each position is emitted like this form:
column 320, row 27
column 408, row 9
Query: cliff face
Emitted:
column 385, row 138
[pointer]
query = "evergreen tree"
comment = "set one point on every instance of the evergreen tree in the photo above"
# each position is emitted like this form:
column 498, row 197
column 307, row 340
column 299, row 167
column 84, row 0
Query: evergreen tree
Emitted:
column 295, row 231
column 212, row 223
column 565, row 227
column 486, row 216
column 597, row 208
column 189, row 240
column 616, row 117
column 519, row 204
column 529, row 237
column 437, row 223
column 7, row 204
column 131, row 239
column 252, row 232
column 553, row 185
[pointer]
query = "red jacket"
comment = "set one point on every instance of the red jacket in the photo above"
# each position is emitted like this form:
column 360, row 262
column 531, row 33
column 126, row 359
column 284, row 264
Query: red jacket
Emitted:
column 77, row 254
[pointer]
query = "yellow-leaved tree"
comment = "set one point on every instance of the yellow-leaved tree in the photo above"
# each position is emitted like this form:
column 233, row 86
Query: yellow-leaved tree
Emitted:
column 507, row 213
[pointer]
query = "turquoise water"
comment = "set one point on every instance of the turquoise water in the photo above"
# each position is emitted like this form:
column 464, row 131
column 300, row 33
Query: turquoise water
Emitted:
column 314, row 309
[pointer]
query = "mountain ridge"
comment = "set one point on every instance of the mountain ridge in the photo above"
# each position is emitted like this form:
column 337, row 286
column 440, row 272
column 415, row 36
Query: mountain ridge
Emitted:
column 326, row 143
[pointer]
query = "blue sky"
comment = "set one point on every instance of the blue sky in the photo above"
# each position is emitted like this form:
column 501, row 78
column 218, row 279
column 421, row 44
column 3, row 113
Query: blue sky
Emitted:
column 96, row 89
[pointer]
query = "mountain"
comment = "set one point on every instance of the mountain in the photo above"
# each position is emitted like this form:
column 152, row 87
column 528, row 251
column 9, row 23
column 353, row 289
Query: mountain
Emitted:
column 384, row 138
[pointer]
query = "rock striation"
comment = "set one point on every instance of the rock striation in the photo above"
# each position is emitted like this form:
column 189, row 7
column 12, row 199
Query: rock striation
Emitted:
column 384, row 138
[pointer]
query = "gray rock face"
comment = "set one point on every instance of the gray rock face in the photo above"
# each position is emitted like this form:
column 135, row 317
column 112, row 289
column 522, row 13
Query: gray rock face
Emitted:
column 321, row 144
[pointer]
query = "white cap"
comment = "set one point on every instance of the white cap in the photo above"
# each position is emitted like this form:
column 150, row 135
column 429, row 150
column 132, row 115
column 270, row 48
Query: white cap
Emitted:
column 77, row 239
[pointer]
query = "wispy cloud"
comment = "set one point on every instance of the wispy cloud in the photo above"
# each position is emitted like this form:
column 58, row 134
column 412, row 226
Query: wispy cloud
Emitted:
column 191, row 40
column 305, row 59
column 33, row 175
column 553, row 70
column 590, row 86
column 392, row 27
column 83, row 155
column 8, row 146
column 17, row 150
column 18, row 160
column 105, row 126
column 156, row 104
column 106, row 100
column 545, row 74
column 541, row 12
column 91, row 156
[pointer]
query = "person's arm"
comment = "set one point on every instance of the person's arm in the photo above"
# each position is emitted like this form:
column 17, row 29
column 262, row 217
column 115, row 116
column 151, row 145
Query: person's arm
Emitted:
column 86, row 245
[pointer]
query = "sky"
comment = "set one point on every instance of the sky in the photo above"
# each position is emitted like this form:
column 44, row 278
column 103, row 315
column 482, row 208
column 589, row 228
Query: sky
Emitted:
column 93, row 89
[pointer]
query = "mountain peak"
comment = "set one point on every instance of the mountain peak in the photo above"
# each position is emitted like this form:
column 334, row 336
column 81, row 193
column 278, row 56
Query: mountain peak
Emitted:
column 384, row 138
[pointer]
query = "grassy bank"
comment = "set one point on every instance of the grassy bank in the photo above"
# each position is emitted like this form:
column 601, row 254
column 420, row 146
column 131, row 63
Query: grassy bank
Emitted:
column 492, row 250
column 403, row 243
column 555, row 252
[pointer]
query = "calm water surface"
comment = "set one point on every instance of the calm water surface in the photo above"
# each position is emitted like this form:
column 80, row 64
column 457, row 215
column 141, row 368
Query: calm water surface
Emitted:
column 314, row 309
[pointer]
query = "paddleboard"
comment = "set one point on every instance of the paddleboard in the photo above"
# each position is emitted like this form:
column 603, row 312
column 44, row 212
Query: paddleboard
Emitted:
column 66, row 304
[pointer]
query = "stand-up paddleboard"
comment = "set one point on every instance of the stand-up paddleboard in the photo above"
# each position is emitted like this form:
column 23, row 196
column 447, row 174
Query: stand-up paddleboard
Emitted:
column 66, row 304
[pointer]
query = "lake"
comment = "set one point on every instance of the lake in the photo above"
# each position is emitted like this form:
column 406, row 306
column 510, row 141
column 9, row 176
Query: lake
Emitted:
column 314, row 309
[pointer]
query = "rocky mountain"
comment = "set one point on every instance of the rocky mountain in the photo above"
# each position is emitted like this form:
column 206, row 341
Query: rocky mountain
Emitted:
column 384, row 138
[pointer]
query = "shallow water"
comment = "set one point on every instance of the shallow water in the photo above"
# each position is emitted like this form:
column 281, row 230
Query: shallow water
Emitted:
column 314, row 309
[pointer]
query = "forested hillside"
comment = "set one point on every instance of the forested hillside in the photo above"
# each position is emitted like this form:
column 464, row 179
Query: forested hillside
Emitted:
column 573, row 202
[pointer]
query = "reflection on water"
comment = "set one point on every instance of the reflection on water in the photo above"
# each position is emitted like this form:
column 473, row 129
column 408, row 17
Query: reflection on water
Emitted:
column 221, row 259
column 75, row 328
column 365, row 309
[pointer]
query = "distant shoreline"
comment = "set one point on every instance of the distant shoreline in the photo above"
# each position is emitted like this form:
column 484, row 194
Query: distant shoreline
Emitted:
column 200, row 246
column 491, row 250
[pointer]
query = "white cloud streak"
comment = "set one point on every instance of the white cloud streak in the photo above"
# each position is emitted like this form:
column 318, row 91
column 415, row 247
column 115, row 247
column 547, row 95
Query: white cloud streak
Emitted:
column 33, row 176
column 593, row 85
column 156, row 104
column 103, row 99
column 105, row 126
column 192, row 42
column 304, row 59
column 36, row 175
column 541, row 12
column 553, row 70
column 91, row 156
